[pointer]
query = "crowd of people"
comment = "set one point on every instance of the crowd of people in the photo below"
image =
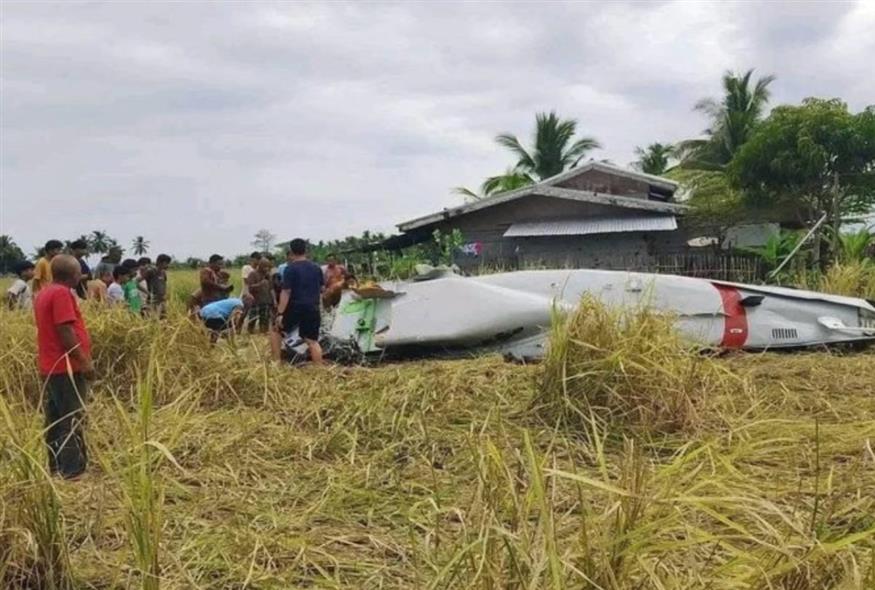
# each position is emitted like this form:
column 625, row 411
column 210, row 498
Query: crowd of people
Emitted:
column 276, row 300
column 138, row 285
column 141, row 286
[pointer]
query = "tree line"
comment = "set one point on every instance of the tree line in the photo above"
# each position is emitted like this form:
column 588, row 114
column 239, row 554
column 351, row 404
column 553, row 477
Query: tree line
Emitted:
column 98, row 242
column 798, row 162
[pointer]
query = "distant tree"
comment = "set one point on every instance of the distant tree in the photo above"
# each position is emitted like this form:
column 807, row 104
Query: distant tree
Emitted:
column 655, row 158
column 733, row 119
column 554, row 150
column 193, row 262
column 813, row 159
column 264, row 240
column 714, row 206
column 114, row 253
column 10, row 254
column 240, row 260
column 509, row 181
column 140, row 246
column 114, row 247
column 83, row 238
column 99, row 241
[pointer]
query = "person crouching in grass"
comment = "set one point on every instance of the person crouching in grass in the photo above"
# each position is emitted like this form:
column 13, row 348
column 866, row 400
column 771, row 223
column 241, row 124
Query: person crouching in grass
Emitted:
column 19, row 296
column 225, row 315
column 64, row 354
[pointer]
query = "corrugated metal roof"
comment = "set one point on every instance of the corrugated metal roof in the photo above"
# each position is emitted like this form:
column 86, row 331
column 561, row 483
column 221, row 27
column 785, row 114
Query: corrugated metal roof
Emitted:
column 591, row 225
column 541, row 189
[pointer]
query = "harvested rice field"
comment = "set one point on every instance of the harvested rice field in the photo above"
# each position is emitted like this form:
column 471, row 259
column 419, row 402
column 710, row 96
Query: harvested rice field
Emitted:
column 622, row 462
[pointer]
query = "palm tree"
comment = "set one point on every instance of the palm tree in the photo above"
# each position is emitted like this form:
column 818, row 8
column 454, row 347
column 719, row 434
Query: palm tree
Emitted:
column 99, row 242
column 510, row 180
column 10, row 253
column 733, row 119
column 555, row 148
column 655, row 158
column 7, row 243
column 141, row 246
column 114, row 251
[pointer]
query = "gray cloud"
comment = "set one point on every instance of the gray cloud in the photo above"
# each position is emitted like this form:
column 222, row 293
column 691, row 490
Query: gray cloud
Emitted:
column 197, row 124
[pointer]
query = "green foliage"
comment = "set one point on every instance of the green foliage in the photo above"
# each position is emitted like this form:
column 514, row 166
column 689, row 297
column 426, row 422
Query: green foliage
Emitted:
column 714, row 205
column 815, row 158
column 350, row 251
column 733, row 120
column 656, row 158
column 193, row 262
column 99, row 242
column 10, row 254
column 555, row 148
column 140, row 246
column 510, row 180
column 776, row 248
column 447, row 245
column 84, row 238
column 855, row 246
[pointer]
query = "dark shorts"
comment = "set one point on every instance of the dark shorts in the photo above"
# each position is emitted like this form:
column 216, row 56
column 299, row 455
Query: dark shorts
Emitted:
column 216, row 324
column 305, row 318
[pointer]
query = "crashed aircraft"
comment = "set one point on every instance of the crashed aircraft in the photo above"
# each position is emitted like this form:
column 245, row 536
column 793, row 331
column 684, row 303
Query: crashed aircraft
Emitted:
column 441, row 313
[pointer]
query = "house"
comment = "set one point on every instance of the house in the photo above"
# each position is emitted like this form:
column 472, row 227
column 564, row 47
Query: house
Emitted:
column 596, row 216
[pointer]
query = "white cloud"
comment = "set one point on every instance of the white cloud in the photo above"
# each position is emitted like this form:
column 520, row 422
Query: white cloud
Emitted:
column 199, row 125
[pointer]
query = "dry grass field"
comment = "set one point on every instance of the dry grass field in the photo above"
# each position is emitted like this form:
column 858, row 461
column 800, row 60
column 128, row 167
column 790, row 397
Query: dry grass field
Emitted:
column 624, row 461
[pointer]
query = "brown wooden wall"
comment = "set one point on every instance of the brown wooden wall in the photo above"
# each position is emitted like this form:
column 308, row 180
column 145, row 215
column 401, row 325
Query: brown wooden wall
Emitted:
column 601, row 182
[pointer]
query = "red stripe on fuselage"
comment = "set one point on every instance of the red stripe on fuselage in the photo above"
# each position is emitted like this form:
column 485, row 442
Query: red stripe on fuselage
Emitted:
column 734, row 318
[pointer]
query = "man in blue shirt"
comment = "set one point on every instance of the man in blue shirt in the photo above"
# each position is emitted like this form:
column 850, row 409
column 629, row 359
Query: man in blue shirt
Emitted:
column 225, row 314
column 299, row 300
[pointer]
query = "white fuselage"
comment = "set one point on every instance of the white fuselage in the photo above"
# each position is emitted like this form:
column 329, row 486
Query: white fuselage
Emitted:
column 510, row 312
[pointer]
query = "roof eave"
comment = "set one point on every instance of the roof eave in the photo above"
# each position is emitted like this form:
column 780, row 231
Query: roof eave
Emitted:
column 466, row 208
column 547, row 191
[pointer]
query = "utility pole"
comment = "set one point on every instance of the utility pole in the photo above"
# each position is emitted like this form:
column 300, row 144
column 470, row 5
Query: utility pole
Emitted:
column 836, row 212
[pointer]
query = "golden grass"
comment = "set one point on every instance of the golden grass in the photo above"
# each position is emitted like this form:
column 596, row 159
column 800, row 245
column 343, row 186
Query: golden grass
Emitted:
column 212, row 469
column 631, row 365
column 855, row 279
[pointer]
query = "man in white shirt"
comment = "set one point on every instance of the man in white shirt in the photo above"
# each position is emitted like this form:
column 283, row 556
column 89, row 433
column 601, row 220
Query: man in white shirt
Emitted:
column 19, row 295
column 248, row 269
column 115, row 293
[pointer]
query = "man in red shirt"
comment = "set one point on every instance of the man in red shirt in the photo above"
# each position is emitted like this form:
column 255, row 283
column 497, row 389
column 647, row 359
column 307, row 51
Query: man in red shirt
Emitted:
column 64, row 350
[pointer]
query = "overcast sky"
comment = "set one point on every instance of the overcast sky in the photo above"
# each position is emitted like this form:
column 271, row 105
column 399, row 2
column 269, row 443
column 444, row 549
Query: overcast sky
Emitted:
column 195, row 124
